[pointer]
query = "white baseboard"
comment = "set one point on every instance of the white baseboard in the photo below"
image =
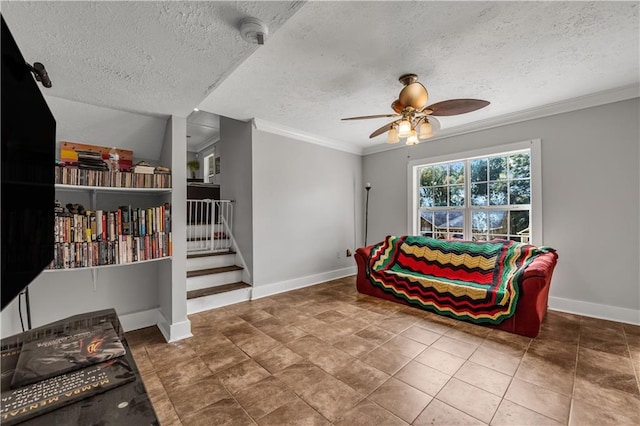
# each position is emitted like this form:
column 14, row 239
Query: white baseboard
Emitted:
column 173, row 332
column 296, row 283
column 137, row 320
column 612, row 313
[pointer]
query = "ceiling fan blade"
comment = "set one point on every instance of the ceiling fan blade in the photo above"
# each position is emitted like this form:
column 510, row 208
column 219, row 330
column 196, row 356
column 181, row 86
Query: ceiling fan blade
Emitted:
column 456, row 106
column 381, row 130
column 366, row 117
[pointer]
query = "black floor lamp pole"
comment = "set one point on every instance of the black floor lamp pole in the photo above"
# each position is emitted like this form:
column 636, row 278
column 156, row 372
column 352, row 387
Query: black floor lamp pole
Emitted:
column 366, row 213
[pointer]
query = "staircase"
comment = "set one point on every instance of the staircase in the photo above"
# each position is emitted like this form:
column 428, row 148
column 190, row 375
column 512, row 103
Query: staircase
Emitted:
column 214, row 280
column 214, row 277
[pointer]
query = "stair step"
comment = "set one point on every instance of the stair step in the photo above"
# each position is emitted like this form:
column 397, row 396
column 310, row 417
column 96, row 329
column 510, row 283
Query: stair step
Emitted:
column 211, row 271
column 211, row 253
column 216, row 290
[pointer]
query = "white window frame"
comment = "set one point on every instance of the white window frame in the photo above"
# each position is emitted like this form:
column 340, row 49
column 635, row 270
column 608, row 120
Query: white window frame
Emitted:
column 535, row 148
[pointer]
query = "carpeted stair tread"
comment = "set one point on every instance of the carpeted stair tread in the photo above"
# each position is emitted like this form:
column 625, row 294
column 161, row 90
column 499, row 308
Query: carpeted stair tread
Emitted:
column 216, row 290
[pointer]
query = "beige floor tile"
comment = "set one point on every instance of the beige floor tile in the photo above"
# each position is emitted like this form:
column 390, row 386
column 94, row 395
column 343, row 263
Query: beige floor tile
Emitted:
column 375, row 335
column 496, row 360
column 341, row 330
column 585, row 414
column 400, row 399
column 484, row 378
column 361, row 377
column 301, row 376
column 264, row 397
column 163, row 355
column 626, row 404
column 511, row 414
column 294, row 413
column 421, row 335
column 278, row 358
column 545, row 373
column 193, row 397
column 467, row 398
column 438, row 413
column 241, row 375
column 540, row 400
column 331, row 397
column 224, row 412
column 385, row 361
column 404, row 346
column 422, row 377
column 354, row 345
column 456, row 347
column 224, row 357
column 184, row 372
column 440, row 360
column 607, row 370
column 367, row 413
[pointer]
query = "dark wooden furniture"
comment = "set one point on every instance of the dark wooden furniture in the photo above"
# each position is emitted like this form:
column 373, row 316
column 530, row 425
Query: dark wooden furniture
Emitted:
column 127, row 404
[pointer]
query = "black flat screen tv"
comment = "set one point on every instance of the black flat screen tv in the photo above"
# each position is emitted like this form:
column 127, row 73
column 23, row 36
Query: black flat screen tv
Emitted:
column 27, row 161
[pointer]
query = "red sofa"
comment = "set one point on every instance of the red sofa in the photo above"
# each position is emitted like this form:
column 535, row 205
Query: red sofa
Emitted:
column 530, row 308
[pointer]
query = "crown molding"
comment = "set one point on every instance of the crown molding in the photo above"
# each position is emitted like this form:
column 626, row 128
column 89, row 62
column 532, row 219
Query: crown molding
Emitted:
column 206, row 144
column 582, row 102
column 278, row 129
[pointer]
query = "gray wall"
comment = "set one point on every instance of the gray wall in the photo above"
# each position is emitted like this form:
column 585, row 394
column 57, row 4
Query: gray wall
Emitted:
column 128, row 288
column 307, row 202
column 590, row 187
column 235, row 181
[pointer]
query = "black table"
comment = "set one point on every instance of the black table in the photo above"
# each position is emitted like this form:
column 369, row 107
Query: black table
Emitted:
column 127, row 404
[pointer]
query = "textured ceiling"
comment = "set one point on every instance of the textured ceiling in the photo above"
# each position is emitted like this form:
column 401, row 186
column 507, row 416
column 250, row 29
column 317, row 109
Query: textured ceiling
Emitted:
column 343, row 59
column 326, row 60
column 146, row 57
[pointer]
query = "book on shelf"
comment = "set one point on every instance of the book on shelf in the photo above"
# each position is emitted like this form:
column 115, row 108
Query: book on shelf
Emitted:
column 125, row 235
column 52, row 356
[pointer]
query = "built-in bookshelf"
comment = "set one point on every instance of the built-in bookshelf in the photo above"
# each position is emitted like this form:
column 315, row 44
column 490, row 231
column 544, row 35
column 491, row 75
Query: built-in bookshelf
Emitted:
column 107, row 179
column 98, row 236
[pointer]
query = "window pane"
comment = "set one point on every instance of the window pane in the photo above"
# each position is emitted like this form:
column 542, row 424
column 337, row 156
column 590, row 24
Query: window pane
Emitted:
column 498, row 193
column 426, row 222
column 433, row 175
column 479, row 194
column 479, row 170
column 440, row 196
column 520, row 191
column 497, row 168
column 479, row 221
column 519, row 223
column 498, row 222
column 456, row 173
column 519, row 166
column 426, row 197
column 456, row 195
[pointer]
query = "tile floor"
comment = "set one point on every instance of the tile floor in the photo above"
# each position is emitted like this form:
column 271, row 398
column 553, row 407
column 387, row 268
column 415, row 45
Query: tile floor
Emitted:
column 328, row 355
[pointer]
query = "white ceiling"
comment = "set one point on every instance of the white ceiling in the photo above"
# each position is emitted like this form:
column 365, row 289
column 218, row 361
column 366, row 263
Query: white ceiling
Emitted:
column 324, row 61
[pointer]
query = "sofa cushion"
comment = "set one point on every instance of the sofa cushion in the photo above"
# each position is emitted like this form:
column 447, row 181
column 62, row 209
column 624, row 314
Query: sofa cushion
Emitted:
column 471, row 280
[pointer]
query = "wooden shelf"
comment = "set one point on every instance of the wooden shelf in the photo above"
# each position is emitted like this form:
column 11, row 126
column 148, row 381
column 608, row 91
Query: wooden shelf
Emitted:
column 62, row 187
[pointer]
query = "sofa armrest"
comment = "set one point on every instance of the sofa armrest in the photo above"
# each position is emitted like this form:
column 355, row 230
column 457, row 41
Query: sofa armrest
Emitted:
column 541, row 267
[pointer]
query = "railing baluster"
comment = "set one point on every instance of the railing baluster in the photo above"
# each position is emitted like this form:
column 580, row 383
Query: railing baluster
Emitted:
column 210, row 225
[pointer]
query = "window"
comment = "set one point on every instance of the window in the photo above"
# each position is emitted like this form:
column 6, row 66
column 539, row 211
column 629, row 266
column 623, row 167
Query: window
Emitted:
column 476, row 198
column 209, row 169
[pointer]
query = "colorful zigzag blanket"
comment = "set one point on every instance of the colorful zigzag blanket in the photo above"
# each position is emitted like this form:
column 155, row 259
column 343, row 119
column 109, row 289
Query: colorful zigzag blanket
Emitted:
column 474, row 281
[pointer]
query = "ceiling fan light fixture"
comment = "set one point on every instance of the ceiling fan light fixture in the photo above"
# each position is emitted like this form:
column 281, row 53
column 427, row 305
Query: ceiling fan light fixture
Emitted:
column 412, row 139
column 392, row 135
column 404, row 128
column 426, row 131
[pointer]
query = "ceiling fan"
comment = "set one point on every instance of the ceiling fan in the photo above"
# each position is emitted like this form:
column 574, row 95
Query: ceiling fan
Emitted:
column 412, row 112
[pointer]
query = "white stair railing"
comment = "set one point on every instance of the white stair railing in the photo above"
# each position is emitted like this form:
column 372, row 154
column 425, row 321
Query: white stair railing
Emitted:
column 209, row 225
